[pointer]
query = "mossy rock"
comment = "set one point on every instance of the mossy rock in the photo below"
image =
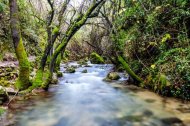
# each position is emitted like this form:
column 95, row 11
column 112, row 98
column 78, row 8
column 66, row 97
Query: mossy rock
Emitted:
column 59, row 74
column 4, row 83
column 85, row 71
column 112, row 76
column 82, row 62
column 96, row 59
column 9, row 69
column 70, row 70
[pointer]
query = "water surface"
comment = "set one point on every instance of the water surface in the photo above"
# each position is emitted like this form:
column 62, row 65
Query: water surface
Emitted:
column 84, row 99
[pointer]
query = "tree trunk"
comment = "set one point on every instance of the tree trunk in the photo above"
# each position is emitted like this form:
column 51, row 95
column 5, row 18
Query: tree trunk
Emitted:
column 128, row 70
column 23, row 79
column 79, row 22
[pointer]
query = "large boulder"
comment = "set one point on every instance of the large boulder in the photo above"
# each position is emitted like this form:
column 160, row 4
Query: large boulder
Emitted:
column 96, row 59
column 3, row 95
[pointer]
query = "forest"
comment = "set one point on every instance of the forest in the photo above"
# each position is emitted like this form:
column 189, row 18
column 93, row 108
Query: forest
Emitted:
column 94, row 62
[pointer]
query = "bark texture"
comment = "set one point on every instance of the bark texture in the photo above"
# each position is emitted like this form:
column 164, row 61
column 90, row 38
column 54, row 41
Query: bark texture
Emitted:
column 24, row 65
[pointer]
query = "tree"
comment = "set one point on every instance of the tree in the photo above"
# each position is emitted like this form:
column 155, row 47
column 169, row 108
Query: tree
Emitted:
column 24, row 72
column 92, row 11
column 53, row 33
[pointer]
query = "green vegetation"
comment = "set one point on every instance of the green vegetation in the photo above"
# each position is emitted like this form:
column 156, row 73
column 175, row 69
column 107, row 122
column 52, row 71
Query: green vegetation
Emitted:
column 147, row 39
column 96, row 59
column 154, row 38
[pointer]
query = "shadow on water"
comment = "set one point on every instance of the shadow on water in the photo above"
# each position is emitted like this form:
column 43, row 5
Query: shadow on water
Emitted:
column 83, row 99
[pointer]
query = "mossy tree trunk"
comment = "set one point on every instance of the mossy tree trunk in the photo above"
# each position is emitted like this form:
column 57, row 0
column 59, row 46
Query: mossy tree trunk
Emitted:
column 128, row 70
column 24, row 65
column 52, row 33
column 75, row 26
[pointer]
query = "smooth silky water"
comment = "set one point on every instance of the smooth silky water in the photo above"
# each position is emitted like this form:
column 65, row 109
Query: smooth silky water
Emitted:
column 84, row 99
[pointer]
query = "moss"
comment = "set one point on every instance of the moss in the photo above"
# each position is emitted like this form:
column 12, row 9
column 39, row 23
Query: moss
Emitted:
column 58, row 61
column 46, row 83
column 113, row 76
column 55, row 30
column 128, row 70
column 24, row 66
column 59, row 74
column 38, row 79
column 2, row 111
column 96, row 59
column 4, row 82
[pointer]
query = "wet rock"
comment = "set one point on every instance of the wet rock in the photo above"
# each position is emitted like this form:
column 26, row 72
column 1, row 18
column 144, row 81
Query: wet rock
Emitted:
column 150, row 100
column 87, row 65
column 84, row 71
column 59, row 74
column 3, row 95
column 70, row 70
column 82, row 62
column 148, row 113
column 172, row 121
column 112, row 76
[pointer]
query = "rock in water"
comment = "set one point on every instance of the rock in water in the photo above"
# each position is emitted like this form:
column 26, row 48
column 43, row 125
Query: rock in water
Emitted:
column 70, row 70
column 84, row 71
column 59, row 74
column 113, row 76
column 172, row 121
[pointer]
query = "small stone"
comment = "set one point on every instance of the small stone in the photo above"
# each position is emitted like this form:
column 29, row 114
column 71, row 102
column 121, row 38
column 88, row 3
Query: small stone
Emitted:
column 70, row 70
column 84, row 71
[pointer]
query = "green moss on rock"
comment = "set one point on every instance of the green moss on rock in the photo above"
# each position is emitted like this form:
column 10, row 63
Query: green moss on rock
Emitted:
column 70, row 70
column 113, row 76
column 59, row 74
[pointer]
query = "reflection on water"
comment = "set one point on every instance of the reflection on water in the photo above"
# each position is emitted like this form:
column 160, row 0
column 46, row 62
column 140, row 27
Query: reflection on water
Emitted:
column 83, row 99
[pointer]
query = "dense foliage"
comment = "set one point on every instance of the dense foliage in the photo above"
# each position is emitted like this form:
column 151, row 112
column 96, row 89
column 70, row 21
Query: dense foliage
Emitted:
column 154, row 37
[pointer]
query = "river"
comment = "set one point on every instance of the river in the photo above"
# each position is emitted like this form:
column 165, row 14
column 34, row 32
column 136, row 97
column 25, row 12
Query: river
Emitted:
column 84, row 99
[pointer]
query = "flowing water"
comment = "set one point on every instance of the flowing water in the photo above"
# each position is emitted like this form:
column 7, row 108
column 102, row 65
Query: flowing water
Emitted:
column 84, row 99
